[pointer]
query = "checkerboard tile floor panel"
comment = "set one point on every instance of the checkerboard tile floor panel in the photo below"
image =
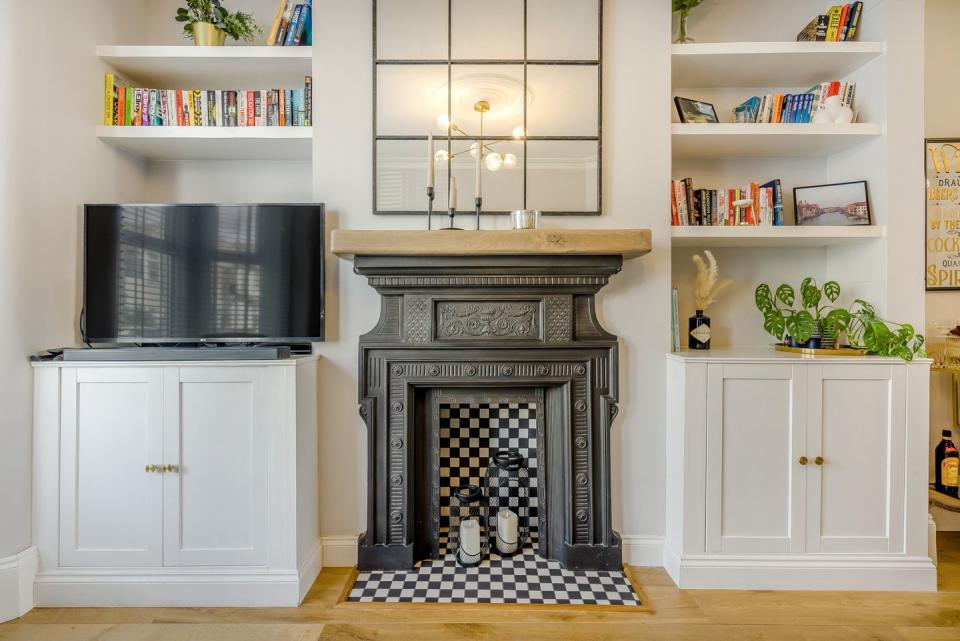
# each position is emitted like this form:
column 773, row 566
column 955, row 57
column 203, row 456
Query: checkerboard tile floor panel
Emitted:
column 524, row 578
column 470, row 433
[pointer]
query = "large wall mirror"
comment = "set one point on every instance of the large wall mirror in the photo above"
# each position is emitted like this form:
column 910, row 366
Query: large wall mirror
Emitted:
column 520, row 77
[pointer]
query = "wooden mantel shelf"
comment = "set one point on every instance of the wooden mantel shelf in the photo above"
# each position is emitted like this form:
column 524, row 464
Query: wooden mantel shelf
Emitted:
column 629, row 243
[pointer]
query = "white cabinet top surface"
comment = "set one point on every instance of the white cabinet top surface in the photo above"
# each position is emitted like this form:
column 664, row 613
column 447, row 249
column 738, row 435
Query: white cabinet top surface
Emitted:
column 766, row 354
column 293, row 361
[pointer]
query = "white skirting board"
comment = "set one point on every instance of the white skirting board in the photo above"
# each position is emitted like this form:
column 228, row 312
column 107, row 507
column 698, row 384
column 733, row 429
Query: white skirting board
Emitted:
column 178, row 587
column 810, row 572
column 642, row 551
column 17, row 573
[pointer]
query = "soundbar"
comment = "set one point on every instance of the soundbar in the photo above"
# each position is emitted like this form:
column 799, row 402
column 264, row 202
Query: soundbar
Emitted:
column 239, row 353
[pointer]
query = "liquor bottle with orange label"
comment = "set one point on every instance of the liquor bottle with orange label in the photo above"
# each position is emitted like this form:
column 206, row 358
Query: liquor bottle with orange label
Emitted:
column 947, row 473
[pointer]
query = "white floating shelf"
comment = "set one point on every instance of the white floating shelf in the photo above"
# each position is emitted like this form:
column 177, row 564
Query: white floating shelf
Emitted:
column 190, row 67
column 768, row 64
column 786, row 236
column 747, row 140
column 212, row 143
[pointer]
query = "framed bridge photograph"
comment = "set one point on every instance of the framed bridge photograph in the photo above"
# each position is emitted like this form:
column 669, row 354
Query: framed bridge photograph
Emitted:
column 835, row 204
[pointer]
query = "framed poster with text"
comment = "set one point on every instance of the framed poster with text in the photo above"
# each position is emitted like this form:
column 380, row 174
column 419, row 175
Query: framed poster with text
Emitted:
column 943, row 213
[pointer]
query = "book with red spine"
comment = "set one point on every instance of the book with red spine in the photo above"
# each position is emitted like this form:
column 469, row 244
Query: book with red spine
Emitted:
column 251, row 114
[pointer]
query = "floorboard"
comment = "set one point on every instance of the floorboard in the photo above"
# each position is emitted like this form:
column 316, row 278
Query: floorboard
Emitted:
column 680, row 615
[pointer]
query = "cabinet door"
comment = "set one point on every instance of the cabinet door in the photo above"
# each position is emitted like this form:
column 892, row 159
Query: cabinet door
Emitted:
column 215, row 508
column 110, row 430
column 755, row 435
column 857, row 424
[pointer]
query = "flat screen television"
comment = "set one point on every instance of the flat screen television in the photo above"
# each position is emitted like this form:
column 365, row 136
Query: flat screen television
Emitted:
column 203, row 274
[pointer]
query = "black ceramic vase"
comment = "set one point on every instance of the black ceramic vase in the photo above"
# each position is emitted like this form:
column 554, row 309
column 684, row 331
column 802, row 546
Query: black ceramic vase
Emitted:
column 699, row 331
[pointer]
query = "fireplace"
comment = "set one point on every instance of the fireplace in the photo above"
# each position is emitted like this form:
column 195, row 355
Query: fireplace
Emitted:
column 485, row 333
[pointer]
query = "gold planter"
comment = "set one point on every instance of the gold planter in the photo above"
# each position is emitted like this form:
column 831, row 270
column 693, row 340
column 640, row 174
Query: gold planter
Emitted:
column 208, row 35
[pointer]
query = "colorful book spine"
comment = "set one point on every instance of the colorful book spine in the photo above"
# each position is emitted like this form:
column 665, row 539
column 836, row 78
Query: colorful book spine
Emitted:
column 302, row 22
column 854, row 20
column 834, row 26
column 308, row 101
column 842, row 24
column 290, row 38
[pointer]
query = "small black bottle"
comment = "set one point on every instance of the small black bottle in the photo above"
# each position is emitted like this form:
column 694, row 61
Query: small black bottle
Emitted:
column 947, row 469
column 699, row 331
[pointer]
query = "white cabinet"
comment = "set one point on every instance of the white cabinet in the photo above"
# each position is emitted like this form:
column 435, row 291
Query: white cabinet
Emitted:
column 795, row 473
column 755, row 427
column 176, row 484
column 110, row 430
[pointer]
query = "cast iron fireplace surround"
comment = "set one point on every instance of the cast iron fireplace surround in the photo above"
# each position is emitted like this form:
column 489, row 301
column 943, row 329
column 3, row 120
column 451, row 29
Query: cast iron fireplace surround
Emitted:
column 489, row 323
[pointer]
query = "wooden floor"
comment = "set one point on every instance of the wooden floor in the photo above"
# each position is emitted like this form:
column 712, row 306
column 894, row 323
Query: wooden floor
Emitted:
column 680, row 616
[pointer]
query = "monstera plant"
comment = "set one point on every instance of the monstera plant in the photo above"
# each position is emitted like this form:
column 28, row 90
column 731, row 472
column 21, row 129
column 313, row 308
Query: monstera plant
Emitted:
column 816, row 319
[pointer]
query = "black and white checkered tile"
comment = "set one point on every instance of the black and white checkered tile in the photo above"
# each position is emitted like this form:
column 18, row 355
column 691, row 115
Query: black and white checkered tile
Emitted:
column 470, row 433
column 524, row 578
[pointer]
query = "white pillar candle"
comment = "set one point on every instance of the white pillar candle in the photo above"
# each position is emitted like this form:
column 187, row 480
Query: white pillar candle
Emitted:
column 507, row 531
column 452, row 196
column 430, row 160
column 469, row 542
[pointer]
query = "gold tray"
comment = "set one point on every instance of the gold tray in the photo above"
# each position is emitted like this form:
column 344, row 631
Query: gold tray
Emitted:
column 810, row 351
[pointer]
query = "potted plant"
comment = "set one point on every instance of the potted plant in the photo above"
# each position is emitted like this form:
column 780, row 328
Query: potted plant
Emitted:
column 684, row 7
column 811, row 323
column 208, row 23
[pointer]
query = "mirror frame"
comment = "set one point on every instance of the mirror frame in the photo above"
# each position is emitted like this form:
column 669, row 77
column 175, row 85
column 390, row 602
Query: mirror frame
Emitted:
column 449, row 62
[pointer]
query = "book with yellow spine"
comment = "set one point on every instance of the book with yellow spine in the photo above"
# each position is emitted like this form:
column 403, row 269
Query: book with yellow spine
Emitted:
column 834, row 27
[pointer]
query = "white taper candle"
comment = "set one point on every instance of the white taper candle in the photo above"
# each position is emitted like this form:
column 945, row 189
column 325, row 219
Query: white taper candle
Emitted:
column 452, row 196
column 478, row 188
column 430, row 160
column 507, row 531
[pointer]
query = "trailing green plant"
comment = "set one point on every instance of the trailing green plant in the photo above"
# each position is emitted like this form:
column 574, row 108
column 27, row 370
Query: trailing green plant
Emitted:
column 238, row 25
column 863, row 327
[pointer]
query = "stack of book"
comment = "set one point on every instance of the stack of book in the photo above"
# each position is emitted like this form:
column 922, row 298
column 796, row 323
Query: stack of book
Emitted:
column 756, row 205
column 794, row 108
column 127, row 106
column 840, row 23
column 292, row 24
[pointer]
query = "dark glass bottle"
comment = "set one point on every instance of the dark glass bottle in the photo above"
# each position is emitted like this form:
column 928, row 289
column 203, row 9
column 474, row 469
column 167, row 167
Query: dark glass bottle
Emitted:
column 699, row 331
column 947, row 468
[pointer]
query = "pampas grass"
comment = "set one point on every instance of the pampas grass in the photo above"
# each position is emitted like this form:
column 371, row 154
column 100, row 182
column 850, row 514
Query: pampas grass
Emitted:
column 707, row 284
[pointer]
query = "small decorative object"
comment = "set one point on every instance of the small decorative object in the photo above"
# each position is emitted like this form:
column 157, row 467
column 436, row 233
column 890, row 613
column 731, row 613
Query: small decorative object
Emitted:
column 803, row 328
column 208, row 23
column 508, row 489
column 843, row 204
column 684, row 7
column 943, row 213
column 431, row 173
column 695, row 111
column 706, row 286
column 468, row 528
column 833, row 112
column 525, row 218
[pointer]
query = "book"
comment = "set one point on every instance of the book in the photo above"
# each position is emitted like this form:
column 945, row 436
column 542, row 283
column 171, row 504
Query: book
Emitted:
column 119, row 107
column 809, row 32
column 251, row 109
column 774, row 185
column 675, row 319
column 842, row 23
column 854, row 20
column 290, row 37
column 823, row 22
column 111, row 84
column 834, row 25
column 308, row 101
column 284, row 23
column 304, row 19
column 164, row 116
column 275, row 26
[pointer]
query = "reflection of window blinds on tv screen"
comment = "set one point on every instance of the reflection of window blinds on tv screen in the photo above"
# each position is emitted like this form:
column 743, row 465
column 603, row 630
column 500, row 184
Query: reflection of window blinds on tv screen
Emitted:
column 216, row 273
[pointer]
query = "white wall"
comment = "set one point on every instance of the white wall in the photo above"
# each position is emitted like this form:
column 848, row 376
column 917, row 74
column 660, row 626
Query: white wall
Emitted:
column 942, row 94
column 635, row 305
column 50, row 163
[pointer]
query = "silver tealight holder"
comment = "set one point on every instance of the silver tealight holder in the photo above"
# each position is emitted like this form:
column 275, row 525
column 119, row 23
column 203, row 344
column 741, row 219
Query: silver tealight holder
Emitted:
column 525, row 218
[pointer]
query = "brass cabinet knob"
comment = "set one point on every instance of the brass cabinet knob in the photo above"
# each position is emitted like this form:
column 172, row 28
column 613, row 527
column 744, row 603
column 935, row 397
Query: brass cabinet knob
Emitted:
column 803, row 460
column 818, row 460
column 169, row 468
column 151, row 468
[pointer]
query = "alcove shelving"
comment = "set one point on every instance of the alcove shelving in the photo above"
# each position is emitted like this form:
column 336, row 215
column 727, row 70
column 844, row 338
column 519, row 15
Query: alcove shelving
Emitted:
column 228, row 67
column 747, row 50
